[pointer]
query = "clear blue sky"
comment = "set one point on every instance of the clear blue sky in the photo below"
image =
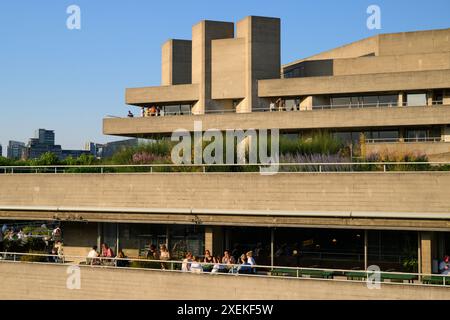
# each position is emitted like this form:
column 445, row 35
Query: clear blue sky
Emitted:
column 68, row 80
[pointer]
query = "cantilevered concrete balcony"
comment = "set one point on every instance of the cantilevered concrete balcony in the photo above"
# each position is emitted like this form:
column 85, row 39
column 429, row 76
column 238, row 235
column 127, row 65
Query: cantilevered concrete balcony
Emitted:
column 393, row 81
column 182, row 93
column 286, row 121
column 328, row 199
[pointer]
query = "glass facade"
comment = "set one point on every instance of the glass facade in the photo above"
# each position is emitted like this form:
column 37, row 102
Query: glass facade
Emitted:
column 389, row 100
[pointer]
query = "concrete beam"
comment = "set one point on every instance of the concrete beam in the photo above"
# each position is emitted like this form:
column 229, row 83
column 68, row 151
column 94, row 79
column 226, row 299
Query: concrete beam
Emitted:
column 289, row 121
column 395, row 81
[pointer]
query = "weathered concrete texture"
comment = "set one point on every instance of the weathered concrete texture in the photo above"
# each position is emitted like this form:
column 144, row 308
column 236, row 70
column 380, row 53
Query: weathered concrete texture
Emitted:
column 43, row 281
column 401, row 43
column 176, row 62
column 393, row 81
column 373, row 192
column 162, row 94
column 285, row 121
column 372, row 64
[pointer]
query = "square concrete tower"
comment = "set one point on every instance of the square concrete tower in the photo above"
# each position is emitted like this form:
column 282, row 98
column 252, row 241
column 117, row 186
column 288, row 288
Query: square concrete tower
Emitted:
column 202, row 34
column 262, row 56
column 176, row 62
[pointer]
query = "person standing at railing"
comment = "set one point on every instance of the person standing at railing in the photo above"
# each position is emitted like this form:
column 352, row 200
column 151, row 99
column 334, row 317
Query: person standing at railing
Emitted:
column 142, row 112
column 164, row 255
column 444, row 266
column 186, row 265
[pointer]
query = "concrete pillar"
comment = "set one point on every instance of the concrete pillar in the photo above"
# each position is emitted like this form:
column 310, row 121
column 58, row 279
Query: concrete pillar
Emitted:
column 446, row 98
column 306, row 103
column 176, row 62
column 430, row 96
column 262, row 57
column 401, row 99
column 214, row 240
column 202, row 34
column 425, row 259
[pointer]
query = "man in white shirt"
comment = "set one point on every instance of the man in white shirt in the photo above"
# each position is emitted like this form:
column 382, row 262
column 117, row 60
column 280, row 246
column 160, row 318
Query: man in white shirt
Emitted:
column 92, row 255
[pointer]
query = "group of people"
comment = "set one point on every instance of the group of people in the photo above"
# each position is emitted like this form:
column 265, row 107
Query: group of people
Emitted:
column 106, row 257
column 153, row 111
column 224, row 264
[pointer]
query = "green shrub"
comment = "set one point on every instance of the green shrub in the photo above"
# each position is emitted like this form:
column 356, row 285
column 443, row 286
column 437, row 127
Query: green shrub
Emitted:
column 32, row 258
column 145, row 264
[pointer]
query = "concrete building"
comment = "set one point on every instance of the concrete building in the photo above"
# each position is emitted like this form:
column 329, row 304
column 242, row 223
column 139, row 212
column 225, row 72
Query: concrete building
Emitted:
column 15, row 149
column 43, row 142
column 388, row 92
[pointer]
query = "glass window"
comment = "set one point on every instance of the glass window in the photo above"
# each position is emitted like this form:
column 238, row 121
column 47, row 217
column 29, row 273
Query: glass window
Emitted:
column 389, row 135
column 388, row 100
column 370, row 101
column 416, row 99
column 341, row 101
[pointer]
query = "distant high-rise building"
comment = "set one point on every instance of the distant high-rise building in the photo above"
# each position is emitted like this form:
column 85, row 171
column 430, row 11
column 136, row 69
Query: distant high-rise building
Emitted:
column 46, row 137
column 15, row 149
column 1, row 151
column 44, row 141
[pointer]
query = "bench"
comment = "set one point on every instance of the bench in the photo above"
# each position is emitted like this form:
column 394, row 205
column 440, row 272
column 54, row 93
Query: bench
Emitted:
column 323, row 274
column 441, row 280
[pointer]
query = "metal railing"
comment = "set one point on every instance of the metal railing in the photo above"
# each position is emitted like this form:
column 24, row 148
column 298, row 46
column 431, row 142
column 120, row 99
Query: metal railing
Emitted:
column 293, row 108
column 232, row 269
column 417, row 139
column 229, row 168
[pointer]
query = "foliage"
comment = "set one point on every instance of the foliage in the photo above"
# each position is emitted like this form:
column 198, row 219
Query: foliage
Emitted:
column 410, row 264
column 145, row 264
column 32, row 258
column 319, row 143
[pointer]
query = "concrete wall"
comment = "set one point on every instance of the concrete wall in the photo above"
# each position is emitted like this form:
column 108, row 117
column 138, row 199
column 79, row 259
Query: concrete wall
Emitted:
column 176, row 60
column 32, row 281
column 395, row 81
column 352, row 50
column 79, row 237
column 392, row 63
column 202, row 35
column 285, row 121
column 228, row 69
column 372, row 64
column 162, row 94
column 262, row 54
column 163, row 198
column 414, row 42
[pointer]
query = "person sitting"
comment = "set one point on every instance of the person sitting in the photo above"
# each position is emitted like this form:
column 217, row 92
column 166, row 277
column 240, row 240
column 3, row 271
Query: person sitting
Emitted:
column 108, row 254
column 92, row 257
column 130, row 114
column 196, row 266
column 152, row 253
column 251, row 260
column 186, row 265
column 244, row 267
column 444, row 266
column 218, row 266
column 227, row 258
column 120, row 262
